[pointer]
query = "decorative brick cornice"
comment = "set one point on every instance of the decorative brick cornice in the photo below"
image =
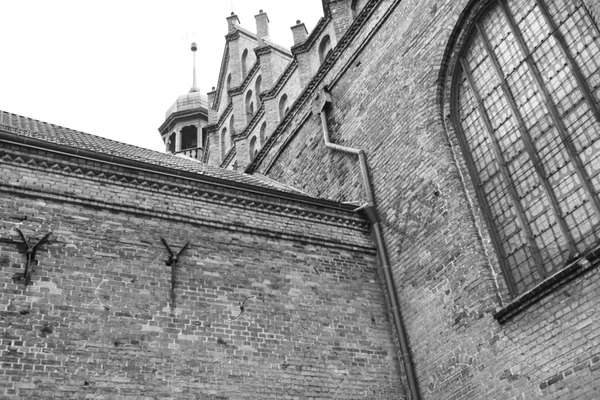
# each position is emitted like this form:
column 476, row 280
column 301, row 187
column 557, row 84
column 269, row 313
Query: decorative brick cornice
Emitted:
column 241, row 88
column 184, row 217
column 232, row 36
column 222, row 118
column 283, row 78
column 325, row 68
column 181, row 187
column 229, row 156
column 262, row 50
column 251, row 125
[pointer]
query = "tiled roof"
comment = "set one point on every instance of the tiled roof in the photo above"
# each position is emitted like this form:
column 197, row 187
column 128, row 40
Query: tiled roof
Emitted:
column 28, row 127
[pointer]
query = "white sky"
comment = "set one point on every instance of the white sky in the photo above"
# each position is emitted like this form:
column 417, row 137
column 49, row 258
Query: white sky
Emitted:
column 113, row 67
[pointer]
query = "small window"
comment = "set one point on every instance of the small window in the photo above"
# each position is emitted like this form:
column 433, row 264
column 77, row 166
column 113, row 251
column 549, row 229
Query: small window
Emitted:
column 244, row 63
column 224, row 143
column 257, row 90
column 228, row 86
column 354, row 8
column 253, row 149
column 249, row 105
column 526, row 110
column 263, row 133
column 232, row 126
column 324, row 48
column 283, row 107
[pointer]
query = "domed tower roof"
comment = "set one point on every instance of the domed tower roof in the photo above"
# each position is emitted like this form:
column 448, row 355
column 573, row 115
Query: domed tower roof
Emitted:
column 188, row 101
column 192, row 100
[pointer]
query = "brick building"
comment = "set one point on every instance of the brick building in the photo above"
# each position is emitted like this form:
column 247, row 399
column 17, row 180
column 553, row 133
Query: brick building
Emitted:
column 418, row 218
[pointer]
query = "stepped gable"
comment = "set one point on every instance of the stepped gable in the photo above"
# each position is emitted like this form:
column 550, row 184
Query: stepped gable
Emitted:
column 32, row 128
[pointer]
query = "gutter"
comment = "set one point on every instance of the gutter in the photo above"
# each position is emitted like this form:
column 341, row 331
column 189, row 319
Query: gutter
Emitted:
column 319, row 104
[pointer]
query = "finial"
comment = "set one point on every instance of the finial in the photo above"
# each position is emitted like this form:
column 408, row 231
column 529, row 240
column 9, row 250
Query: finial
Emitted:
column 297, row 22
column 194, row 48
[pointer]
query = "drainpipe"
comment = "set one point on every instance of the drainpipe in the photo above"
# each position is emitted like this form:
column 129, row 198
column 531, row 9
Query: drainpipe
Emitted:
column 320, row 102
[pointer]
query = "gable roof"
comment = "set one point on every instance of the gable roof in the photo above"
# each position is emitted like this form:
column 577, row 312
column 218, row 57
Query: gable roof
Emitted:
column 69, row 139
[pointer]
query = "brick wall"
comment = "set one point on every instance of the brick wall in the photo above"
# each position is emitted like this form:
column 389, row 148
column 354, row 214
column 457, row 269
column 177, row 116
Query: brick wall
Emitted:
column 385, row 91
column 103, row 317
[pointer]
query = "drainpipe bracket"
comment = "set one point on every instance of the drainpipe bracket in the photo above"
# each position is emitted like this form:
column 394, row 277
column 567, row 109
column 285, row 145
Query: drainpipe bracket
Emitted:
column 372, row 214
column 320, row 101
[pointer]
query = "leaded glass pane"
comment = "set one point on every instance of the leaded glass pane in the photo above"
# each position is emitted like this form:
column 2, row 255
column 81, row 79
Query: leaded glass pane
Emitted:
column 527, row 102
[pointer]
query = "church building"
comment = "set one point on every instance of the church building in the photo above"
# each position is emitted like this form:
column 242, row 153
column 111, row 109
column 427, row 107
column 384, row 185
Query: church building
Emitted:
column 404, row 205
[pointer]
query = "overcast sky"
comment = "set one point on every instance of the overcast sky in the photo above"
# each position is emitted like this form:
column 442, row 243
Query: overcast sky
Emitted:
column 113, row 67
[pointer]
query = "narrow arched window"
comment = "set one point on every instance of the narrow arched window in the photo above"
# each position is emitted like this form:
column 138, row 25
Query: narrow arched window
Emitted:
column 244, row 63
column 324, row 48
column 283, row 107
column 228, row 86
column 249, row 105
column 263, row 133
column 171, row 142
column 257, row 90
column 354, row 8
column 253, row 148
column 232, row 126
column 526, row 107
column 224, row 144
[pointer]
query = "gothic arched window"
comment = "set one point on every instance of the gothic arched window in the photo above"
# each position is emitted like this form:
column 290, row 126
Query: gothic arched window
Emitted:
column 228, row 86
column 249, row 106
column 324, row 48
column 257, row 90
column 223, row 143
column 526, row 106
column 253, row 149
column 263, row 133
column 283, row 107
column 244, row 63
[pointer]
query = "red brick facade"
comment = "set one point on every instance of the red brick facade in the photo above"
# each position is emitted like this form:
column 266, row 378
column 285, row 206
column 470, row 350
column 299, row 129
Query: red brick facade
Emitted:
column 279, row 295
column 389, row 85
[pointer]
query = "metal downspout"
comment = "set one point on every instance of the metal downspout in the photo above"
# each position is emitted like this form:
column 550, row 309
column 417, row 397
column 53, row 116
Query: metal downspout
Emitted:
column 319, row 104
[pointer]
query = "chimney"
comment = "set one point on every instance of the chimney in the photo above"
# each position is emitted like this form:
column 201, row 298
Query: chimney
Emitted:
column 262, row 26
column 299, row 32
column 230, row 21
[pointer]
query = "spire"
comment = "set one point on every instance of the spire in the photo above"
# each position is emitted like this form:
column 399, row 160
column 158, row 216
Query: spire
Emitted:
column 194, row 86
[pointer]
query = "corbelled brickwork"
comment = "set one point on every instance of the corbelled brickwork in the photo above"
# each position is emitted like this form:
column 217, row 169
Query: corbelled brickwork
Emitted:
column 275, row 297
